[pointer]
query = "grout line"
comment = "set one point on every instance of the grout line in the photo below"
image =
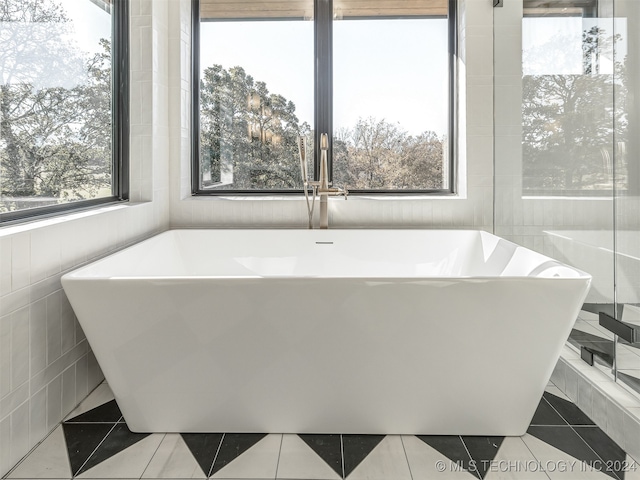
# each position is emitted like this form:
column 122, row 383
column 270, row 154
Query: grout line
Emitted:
column 406, row 456
column 475, row 471
column 154, row 454
column 574, row 429
column 279, row 453
column 68, row 415
column 533, row 455
column 92, row 423
column 604, row 462
column 559, row 414
column 6, row 475
column 74, row 475
column 342, row 455
column 215, row 457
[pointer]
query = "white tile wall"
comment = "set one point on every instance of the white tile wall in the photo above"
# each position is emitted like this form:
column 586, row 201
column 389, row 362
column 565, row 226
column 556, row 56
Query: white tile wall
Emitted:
column 46, row 365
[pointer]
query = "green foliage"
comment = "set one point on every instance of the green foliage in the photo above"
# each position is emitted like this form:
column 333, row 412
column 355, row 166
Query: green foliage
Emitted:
column 248, row 136
column 248, row 140
column 375, row 154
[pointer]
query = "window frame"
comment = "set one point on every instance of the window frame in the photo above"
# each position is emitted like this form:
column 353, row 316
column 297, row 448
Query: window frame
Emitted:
column 323, row 105
column 119, row 129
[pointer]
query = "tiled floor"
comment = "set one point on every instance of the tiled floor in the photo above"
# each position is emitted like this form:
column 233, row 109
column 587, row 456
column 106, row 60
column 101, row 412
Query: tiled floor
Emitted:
column 95, row 443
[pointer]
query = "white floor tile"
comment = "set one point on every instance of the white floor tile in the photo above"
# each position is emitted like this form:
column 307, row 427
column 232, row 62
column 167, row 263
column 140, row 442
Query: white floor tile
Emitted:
column 632, row 472
column 631, row 314
column 387, row 461
column 593, row 329
column 101, row 395
column 427, row 463
column 557, row 392
column 514, row 461
column 173, row 459
column 299, row 461
column 49, row 460
column 559, row 465
column 588, row 316
column 260, row 461
column 129, row 463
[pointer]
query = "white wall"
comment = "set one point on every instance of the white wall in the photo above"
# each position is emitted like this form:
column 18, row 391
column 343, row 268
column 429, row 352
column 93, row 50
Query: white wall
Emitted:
column 472, row 209
column 46, row 365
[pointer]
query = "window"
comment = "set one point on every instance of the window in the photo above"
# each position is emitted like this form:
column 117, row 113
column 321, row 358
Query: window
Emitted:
column 377, row 76
column 574, row 92
column 63, row 105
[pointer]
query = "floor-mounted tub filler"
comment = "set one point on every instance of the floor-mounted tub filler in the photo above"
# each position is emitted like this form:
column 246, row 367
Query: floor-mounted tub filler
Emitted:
column 335, row 331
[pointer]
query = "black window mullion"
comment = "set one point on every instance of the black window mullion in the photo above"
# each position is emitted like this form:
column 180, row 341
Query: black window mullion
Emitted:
column 196, row 186
column 120, row 102
column 323, row 71
column 452, row 138
column 323, row 105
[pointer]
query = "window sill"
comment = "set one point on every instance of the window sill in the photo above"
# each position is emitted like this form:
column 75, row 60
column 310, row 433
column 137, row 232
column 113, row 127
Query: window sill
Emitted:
column 557, row 197
column 297, row 198
column 62, row 218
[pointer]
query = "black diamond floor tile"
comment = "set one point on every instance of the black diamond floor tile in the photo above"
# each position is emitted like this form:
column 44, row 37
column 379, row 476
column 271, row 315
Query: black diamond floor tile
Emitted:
column 82, row 439
column 327, row 447
column 566, row 440
column 568, row 410
column 101, row 433
column 356, row 448
column 482, row 450
column 452, row 447
column 233, row 445
column 203, row 447
column 613, row 457
column 547, row 415
column 106, row 413
column 119, row 439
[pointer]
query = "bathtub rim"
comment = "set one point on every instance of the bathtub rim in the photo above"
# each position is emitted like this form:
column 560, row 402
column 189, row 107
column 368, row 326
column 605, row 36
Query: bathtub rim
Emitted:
column 80, row 272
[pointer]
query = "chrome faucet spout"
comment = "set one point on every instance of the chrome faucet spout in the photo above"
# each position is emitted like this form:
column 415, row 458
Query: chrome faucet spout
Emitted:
column 324, row 168
column 324, row 188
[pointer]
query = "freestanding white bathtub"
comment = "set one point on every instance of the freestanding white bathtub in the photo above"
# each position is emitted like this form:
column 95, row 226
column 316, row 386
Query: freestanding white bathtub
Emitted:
column 336, row 331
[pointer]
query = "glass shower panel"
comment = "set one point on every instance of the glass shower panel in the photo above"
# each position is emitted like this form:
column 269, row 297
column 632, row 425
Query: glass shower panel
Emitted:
column 627, row 174
column 554, row 144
